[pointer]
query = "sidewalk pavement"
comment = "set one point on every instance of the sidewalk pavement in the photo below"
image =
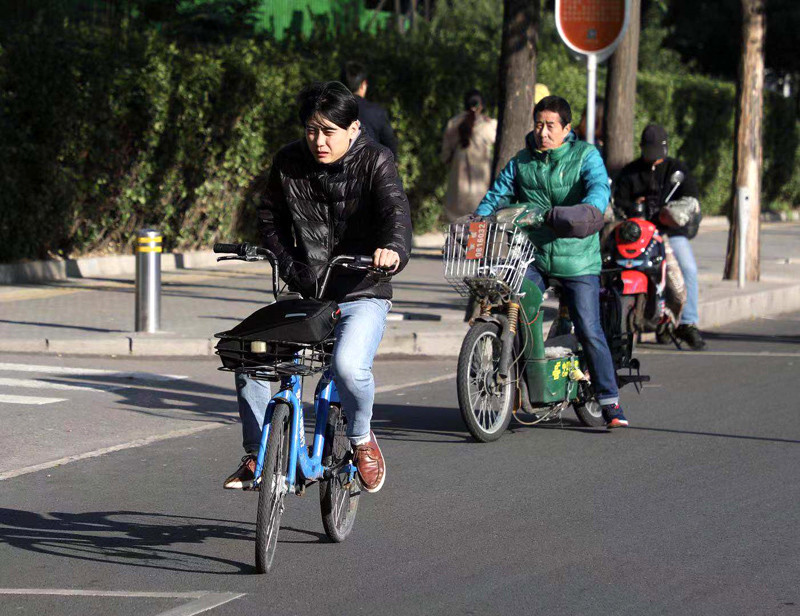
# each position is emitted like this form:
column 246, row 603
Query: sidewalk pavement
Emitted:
column 94, row 314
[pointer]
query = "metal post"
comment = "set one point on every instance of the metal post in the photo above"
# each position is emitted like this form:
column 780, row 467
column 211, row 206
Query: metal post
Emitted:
column 148, row 280
column 591, row 95
column 743, row 209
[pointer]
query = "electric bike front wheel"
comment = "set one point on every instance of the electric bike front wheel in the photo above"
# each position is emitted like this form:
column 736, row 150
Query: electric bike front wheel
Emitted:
column 272, row 488
column 338, row 496
column 485, row 400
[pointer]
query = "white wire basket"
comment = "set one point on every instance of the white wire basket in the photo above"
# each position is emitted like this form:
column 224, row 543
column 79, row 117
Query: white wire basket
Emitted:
column 487, row 256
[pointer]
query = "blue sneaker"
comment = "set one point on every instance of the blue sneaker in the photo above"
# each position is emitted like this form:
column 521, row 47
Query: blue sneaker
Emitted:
column 612, row 413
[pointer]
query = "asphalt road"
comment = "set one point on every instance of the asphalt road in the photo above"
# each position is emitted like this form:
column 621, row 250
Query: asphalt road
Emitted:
column 693, row 510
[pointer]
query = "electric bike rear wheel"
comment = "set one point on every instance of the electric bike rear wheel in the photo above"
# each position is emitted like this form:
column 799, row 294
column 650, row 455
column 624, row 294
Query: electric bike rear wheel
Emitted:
column 588, row 409
column 338, row 496
column 272, row 488
column 485, row 400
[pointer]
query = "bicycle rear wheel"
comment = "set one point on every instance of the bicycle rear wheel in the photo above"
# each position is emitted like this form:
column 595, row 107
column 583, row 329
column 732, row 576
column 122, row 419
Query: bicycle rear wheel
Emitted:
column 272, row 488
column 338, row 497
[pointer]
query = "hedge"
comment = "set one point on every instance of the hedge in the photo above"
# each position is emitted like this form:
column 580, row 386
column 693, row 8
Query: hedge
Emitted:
column 108, row 131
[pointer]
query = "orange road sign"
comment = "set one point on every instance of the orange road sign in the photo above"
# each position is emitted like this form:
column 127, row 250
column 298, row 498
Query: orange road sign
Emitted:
column 592, row 27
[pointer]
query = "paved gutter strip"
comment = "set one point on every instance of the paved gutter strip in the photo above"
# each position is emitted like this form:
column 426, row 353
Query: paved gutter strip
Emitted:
column 714, row 313
column 210, row 425
column 101, row 452
column 202, row 601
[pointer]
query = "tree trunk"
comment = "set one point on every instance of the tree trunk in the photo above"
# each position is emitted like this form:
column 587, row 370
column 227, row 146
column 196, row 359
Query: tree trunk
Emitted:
column 398, row 15
column 748, row 154
column 620, row 108
column 517, row 77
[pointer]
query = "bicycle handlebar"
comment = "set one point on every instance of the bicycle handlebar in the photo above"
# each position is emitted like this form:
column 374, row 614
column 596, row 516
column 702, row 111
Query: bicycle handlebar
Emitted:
column 250, row 252
column 234, row 248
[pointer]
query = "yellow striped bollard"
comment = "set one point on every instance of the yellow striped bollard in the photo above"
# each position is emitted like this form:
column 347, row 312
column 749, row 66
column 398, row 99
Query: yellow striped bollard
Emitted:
column 148, row 280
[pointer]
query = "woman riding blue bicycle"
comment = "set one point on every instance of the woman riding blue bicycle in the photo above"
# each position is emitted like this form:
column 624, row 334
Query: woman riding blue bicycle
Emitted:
column 335, row 192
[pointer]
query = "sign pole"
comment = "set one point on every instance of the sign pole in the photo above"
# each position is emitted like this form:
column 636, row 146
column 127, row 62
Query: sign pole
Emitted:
column 592, row 28
column 591, row 95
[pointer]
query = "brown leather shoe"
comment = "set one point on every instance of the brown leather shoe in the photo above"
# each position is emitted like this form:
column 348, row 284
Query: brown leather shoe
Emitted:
column 369, row 462
column 244, row 477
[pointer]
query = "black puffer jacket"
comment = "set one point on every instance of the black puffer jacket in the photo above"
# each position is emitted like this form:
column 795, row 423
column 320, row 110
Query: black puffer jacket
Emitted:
column 640, row 179
column 311, row 212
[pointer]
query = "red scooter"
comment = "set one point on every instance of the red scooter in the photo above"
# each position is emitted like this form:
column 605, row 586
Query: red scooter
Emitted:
column 635, row 263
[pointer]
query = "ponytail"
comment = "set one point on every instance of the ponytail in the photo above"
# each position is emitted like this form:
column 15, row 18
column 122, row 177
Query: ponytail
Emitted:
column 472, row 101
column 465, row 129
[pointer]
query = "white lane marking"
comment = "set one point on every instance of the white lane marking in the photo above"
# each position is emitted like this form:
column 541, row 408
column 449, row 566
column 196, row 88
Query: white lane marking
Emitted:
column 77, row 592
column 35, row 384
column 203, row 600
column 384, row 389
column 688, row 354
column 144, row 376
column 203, row 604
column 7, row 399
column 99, row 452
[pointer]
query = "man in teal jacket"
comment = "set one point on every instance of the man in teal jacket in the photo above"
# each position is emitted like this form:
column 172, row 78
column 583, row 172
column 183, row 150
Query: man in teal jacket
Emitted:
column 563, row 184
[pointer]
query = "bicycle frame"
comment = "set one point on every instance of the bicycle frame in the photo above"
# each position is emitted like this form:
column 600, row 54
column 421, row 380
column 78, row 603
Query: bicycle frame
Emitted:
column 310, row 466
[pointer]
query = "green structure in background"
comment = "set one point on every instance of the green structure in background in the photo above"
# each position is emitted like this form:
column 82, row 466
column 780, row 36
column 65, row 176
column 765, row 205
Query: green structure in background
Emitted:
column 276, row 18
column 282, row 18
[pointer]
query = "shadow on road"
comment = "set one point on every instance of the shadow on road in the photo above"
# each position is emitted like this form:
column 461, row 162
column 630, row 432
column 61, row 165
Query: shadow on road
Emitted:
column 745, row 437
column 413, row 423
column 125, row 537
column 424, row 424
column 751, row 338
column 142, row 394
column 62, row 326
column 135, row 538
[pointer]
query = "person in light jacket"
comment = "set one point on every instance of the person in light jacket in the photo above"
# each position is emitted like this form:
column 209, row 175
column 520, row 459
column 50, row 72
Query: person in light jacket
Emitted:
column 468, row 149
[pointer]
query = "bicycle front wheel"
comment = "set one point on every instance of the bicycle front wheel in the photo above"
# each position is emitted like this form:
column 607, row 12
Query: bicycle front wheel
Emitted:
column 272, row 488
column 485, row 402
column 338, row 496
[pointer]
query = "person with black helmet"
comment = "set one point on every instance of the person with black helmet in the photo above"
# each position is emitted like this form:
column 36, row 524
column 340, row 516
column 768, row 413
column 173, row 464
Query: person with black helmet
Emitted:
column 649, row 188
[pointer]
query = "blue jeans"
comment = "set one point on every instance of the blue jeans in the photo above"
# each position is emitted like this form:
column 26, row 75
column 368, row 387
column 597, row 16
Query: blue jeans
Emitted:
column 685, row 257
column 582, row 295
column 358, row 334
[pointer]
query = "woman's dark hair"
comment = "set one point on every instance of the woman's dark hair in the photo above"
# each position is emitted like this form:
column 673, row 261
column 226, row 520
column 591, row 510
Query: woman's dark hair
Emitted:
column 331, row 100
column 472, row 100
column 557, row 105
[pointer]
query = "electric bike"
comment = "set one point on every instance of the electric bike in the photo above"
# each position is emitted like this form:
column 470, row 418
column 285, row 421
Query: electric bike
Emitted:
column 505, row 367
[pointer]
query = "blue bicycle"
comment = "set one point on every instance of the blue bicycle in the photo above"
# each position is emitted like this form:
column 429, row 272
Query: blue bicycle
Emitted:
column 284, row 342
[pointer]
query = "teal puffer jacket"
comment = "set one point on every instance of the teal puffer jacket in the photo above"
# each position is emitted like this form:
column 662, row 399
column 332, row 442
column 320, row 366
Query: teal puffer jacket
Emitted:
column 568, row 175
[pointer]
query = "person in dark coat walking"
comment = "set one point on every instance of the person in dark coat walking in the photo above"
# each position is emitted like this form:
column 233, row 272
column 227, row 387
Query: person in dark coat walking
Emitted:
column 334, row 192
column 373, row 117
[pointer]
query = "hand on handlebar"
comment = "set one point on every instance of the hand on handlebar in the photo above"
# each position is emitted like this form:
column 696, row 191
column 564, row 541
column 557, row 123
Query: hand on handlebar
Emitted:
column 387, row 259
